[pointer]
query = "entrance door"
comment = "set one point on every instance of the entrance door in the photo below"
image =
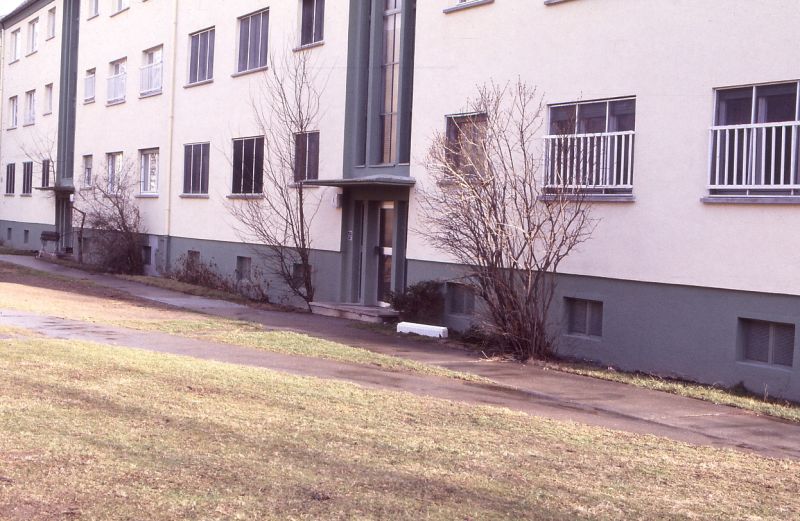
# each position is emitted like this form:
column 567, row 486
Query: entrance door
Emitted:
column 64, row 223
column 387, row 220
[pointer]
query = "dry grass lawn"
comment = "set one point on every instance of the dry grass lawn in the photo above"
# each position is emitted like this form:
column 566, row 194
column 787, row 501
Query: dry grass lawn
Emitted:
column 37, row 292
column 94, row 432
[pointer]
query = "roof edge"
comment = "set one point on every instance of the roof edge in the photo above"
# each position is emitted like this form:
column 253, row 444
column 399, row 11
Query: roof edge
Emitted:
column 22, row 11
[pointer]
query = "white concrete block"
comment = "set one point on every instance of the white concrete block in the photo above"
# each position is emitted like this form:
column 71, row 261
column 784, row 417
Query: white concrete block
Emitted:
column 422, row 329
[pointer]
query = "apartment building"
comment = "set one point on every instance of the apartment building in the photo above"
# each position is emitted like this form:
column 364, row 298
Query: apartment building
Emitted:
column 692, row 108
column 31, row 86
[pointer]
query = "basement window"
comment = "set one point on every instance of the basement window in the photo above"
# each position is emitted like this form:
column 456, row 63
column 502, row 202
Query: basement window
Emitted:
column 460, row 299
column 584, row 317
column 243, row 268
column 767, row 342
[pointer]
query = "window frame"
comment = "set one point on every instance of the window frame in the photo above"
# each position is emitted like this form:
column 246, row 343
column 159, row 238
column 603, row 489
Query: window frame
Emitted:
column 48, row 99
column 51, row 23
column 262, row 63
column 188, row 170
column 87, row 163
column 743, row 324
column 33, row 36
column 150, row 188
column 317, row 26
column 27, row 178
column 47, row 166
column 592, row 306
column 29, row 117
column 13, row 112
column 11, row 182
column 114, row 166
column 209, row 61
column 302, row 155
column 16, row 41
column 256, row 181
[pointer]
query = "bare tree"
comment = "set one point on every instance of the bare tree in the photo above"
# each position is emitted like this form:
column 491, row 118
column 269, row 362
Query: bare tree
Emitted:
column 286, row 105
column 491, row 209
column 110, row 212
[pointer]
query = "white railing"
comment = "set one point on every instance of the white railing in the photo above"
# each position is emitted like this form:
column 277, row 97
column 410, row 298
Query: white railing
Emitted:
column 116, row 88
column 759, row 157
column 150, row 78
column 88, row 88
column 598, row 162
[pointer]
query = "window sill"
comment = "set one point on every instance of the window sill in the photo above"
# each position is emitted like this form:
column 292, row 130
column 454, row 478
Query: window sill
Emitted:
column 114, row 102
column 12, row 128
column 93, row 16
column 86, row 188
column 308, row 46
column 112, row 15
column 50, row 38
column 764, row 365
column 88, row 101
column 8, row 195
column 245, row 196
column 304, row 186
column 146, row 196
column 194, row 196
column 12, row 62
column 751, row 199
column 143, row 95
column 553, row 2
column 198, row 83
column 580, row 336
column 26, row 195
column 591, row 198
column 466, row 5
column 250, row 71
column 47, row 113
column 31, row 53
column 28, row 124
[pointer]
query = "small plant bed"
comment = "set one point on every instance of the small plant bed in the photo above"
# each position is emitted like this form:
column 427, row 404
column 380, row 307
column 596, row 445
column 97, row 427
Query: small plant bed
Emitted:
column 734, row 397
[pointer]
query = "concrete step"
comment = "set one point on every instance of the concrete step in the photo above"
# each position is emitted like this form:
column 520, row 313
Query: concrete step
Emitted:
column 371, row 314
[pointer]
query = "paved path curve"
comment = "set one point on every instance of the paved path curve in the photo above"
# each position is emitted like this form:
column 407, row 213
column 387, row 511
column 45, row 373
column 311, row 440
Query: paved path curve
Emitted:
column 539, row 392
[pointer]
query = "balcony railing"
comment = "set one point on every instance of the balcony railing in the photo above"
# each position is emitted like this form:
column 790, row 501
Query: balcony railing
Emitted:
column 116, row 88
column 150, row 78
column 596, row 163
column 758, row 159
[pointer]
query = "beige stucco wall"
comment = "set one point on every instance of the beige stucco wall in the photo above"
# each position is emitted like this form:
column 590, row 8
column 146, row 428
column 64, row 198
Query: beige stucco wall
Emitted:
column 670, row 54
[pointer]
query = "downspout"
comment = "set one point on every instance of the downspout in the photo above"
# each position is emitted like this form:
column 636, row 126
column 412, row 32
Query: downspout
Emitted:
column 2, row 85
column 171, row 135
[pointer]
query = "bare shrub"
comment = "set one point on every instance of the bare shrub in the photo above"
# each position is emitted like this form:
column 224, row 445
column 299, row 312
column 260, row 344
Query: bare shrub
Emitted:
column 488, row 210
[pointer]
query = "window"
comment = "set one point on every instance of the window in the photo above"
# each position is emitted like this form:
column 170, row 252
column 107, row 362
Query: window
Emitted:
column 48, row 99
column 46, row 166
column 113, row 170
column 253, row 37
column 9, row 233
column 466, row 137
column 201, row 56
column 51, row 23
column 767, row 342
column 147, row 255
column 89, row 86
column 33, row 35
column 195, row 168
column 87, row 171
column 27, row 178
column 192, row 260
column 312, row 22
column 13, row 108
column 248, row 166
column 299, row 271
column 26, row 236
column 148, row 171
column 94, row 8
column 306, row 156
column 119, row 5
column 151, row 73
column 460, row 299
column 590, row 146
column 390, row 75
column 584, row 317
column 15, row 45
column 243, row 269
column 30, row 107
column 10, row 178
column 117, row 80
column 754, row 140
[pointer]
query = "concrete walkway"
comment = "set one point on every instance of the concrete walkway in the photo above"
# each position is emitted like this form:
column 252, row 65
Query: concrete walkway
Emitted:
column 521, row 387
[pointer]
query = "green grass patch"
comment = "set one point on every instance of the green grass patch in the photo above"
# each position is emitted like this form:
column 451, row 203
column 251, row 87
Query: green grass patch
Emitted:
column 94, row 432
